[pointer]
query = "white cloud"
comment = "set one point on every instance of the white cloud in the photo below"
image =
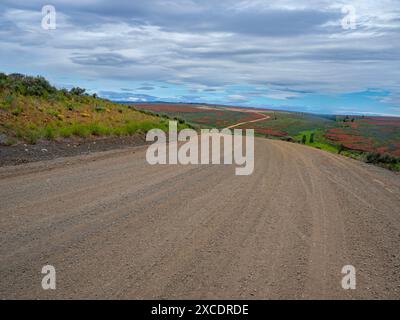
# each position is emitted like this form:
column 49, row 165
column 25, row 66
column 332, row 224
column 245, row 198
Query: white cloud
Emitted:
column 237, row 98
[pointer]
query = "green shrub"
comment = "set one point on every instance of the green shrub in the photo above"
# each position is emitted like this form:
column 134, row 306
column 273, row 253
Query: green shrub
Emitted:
column 312, row 137
column 77, row 91
column 27, row 85
column 80, row 131
column 378, row 158
column 32, row 136
column 99, row 108
column 66, row 132
column 9, row 100
column 130, row 128
column 49, row 132
column 17, row 111
column 53, row 112
column 75, row 130
column 180, row 120
column 146, row 112
column 99, row 130
column 10, row 141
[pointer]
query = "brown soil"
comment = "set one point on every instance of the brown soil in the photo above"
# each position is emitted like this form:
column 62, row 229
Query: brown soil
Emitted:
column 47, row 150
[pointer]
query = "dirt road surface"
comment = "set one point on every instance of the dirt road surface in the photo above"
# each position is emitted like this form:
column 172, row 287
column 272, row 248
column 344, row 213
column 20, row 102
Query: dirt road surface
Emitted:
column 115, row 227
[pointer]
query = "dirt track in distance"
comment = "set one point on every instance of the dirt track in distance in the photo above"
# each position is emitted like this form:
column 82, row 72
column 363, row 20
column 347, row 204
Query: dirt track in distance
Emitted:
column 115, row 227
column 264, row 117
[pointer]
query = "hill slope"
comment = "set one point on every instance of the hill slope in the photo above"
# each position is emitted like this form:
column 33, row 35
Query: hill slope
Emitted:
column 31, row 109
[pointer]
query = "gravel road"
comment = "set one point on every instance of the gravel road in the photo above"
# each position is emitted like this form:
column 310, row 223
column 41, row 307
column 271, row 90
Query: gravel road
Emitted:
column 115, row 227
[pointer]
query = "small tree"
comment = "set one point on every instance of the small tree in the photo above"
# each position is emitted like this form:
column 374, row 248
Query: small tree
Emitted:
column 304, row 139
column 312, row 137
column 77, row 91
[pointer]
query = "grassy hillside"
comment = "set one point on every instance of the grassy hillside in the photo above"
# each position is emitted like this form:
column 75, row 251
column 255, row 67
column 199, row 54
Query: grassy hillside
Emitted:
column 31, row 109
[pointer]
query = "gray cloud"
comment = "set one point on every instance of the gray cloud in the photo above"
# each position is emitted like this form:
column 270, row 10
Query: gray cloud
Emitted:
column 289, row 48
column 195, row 15
column 146, row 88
column 102, row 59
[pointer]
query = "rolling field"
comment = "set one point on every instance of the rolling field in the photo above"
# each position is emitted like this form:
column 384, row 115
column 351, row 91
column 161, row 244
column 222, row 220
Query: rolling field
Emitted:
column 355, row 136
column 202, row 116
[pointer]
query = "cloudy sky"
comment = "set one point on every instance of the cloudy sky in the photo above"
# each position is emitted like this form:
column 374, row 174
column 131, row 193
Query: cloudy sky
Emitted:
column 293, row 55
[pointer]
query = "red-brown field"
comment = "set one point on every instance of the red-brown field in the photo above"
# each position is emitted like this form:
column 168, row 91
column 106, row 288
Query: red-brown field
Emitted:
column 356, row 134
column 203, row 115
column 264, row 131
column 368, row 134
column 350, row 140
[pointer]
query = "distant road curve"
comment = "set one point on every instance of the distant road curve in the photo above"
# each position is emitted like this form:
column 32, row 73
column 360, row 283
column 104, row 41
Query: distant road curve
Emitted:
column 115, row 227
column 264, row 117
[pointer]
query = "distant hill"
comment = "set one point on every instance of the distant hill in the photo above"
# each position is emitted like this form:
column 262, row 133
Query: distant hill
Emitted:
column 372, row 139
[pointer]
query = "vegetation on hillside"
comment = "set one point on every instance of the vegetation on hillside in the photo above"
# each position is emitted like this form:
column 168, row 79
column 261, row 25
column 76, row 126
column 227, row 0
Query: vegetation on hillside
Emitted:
column 371, row 139
column 32, row 109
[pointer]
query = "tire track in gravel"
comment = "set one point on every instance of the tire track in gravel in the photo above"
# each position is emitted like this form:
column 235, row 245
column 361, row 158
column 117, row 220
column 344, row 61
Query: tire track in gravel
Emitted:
column 116, row 227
